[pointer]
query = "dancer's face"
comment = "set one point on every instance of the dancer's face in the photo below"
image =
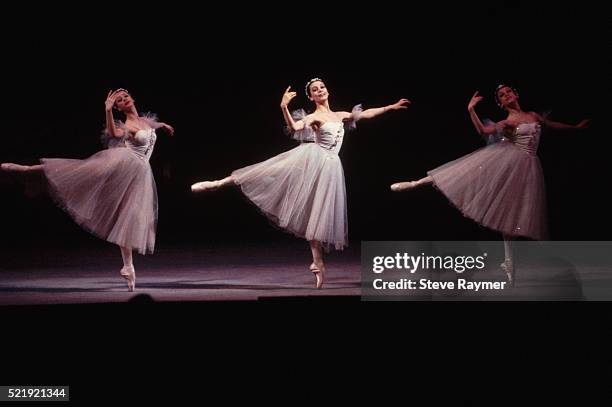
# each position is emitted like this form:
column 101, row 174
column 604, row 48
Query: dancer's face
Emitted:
column 506, row 96
column 124, row 101
column 318, row 91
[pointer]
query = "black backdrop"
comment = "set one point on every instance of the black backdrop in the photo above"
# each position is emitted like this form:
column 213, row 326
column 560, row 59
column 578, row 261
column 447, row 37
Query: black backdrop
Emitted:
column 218, row 76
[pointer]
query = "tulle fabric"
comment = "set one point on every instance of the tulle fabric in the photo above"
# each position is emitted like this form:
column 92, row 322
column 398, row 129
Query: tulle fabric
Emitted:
column 500, row 186
column 302, row 190
column 111, row 194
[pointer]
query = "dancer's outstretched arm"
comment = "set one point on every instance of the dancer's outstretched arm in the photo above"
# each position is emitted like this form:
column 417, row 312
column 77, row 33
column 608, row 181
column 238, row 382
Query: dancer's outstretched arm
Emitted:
column 377, row 111
column 562, row 126
column 167, row 127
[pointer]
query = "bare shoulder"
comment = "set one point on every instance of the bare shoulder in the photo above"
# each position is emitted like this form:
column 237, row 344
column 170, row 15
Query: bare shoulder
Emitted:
column 313, row 118
column 536, row 116
column 502, row 122
column 344, row 115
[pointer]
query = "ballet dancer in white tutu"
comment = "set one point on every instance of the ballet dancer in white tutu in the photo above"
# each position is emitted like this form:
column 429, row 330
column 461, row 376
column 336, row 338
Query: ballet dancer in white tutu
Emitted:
column 111, row 194
column 302, row 190
column 500, row 186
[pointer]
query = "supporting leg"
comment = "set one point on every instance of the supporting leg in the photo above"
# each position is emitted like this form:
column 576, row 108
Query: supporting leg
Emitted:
column 128, row 271
column 508, row 264
column 317, row 266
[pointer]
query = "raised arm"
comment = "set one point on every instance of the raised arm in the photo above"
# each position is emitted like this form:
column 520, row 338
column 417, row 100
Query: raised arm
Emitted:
column 110, row 121
column 292, row 124
column 377, row 111
column 483, row 130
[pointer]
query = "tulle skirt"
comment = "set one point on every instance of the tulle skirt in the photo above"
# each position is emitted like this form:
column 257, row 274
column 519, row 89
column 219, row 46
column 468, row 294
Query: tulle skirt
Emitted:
column 111, row 194
column 302, row 191
column 499, row 186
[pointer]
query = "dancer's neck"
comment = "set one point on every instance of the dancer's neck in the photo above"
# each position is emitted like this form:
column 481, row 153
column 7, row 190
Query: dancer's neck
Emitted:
column 132, row 115
column 514, row 109
column 323, row 107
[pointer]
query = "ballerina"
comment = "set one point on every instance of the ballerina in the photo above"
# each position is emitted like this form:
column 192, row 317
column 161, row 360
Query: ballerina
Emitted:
column 500, row 186
column 111, row 194
column 302, row 190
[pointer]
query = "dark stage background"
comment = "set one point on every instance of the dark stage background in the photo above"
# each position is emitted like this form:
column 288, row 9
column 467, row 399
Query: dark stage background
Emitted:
column 218, row 79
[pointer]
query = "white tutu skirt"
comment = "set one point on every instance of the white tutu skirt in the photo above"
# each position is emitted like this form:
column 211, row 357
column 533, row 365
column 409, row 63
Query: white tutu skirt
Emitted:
column 301, row 191
column 111, row 194
column 499, row 186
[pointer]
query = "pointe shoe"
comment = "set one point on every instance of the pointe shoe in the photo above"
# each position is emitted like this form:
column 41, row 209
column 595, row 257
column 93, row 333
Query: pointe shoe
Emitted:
column 129, row 274
column 319, row 272
column 205, row 186
column 404, row 186
column 508, row 267
column 13, row 167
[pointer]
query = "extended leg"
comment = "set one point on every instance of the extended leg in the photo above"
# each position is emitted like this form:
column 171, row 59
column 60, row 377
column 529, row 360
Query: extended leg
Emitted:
column 408, row 185
column 11, row 167
column 212, row 185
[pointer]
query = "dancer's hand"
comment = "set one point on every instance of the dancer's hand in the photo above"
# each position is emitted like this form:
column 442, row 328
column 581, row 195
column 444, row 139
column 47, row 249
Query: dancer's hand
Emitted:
column 474, row 101
column 400, row 104
column 110, row 99
column 287, row 97
column 583, row 124
column 168, row 128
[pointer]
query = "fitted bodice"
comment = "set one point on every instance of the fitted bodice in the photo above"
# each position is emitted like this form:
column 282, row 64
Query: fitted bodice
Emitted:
column 527, row 137
column 142, row 143
column 330, row 136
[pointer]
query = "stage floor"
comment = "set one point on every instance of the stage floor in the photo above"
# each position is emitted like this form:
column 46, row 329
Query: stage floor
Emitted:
column 173, row 274
column 259, row 272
